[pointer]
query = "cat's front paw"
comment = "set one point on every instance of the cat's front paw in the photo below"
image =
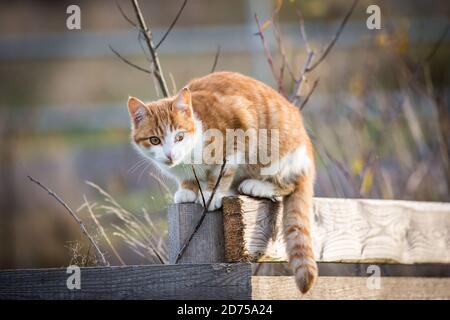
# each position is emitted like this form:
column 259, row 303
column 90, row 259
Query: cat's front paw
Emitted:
column 216, row 202
column 184, row 195
column 257, row 188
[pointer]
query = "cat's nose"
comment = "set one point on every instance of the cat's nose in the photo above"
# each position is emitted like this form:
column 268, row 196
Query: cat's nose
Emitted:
column 169, row 156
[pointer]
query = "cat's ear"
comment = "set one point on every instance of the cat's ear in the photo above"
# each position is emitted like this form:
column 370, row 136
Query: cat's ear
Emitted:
column 183, row 101
column 137, row 110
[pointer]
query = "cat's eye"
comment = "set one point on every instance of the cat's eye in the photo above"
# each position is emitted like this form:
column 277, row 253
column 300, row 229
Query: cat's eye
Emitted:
column 179, row 136
column 155, row 140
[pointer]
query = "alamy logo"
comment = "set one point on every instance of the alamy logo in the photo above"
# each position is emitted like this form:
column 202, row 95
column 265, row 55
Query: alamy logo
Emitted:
column 74, row 280
column 374, row 20
column 241, row 147
column 73, row 21
column 374, row 280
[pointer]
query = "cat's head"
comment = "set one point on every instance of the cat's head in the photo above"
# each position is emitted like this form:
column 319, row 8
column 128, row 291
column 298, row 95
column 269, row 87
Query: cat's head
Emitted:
column 164, row 130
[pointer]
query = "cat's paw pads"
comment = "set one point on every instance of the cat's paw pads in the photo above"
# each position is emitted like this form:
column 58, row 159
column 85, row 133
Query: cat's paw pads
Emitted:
column 216, row 202
column 184, row 195
column 257, row 188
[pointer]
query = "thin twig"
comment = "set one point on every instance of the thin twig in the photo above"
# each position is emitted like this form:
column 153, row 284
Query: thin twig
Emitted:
column 269, row 55
column 285, row 63
column 171, row 25
column 99, row 253
column 205, row 210
column 302, row 30
column 298, row 84
column 100, row 227
column 305, row 101
column 129, row 62
column 174, row 86
column 216, row 59
column 335, row 38
column 199, row 186
column 148, row 38
column 436, row 46
column 277, row 33
column 124, row 15
column 142, row 44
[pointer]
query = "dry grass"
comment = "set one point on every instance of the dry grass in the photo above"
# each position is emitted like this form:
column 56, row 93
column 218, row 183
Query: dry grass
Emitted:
column 136, row 230
column 81, row 256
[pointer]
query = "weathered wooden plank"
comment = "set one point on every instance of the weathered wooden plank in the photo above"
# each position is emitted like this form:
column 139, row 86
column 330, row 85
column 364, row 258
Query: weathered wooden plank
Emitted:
column 207, row 246
column 347, row 288
column 189, row 281
column 344, row 230
column 333, row 269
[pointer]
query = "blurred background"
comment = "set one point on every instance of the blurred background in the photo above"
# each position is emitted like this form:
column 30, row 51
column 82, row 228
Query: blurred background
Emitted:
column 379, row 116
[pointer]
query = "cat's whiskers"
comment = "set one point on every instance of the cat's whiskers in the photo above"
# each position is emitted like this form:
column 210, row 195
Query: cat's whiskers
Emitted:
column 144, row 170
column 137, row 165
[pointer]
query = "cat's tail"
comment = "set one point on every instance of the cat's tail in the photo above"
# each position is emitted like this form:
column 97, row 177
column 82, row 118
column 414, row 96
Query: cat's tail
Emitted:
column 297, row 232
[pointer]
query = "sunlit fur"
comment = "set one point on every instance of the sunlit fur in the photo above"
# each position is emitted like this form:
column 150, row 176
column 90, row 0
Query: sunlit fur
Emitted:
column 226, row 100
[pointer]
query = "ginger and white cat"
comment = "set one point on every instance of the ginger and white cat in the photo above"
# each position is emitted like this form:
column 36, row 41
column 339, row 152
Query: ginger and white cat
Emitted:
column 171, row 130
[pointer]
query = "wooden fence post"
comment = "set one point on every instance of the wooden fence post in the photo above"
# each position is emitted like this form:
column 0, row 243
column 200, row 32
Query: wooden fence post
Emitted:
column 207, row 246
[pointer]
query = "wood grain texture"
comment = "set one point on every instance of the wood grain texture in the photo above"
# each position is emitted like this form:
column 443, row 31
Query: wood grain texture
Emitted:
column 349, row 288
column 343, row 230
column 207, row 246
column 199, row 281
column 341, row 269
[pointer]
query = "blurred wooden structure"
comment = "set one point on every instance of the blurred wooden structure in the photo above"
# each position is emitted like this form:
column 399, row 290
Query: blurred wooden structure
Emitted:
column 366, row 249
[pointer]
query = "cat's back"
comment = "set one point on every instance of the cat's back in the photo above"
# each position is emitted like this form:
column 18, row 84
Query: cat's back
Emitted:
column 238, row 101
column 228, row 83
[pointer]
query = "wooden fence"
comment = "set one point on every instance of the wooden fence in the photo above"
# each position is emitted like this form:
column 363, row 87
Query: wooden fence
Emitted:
column 366, row 249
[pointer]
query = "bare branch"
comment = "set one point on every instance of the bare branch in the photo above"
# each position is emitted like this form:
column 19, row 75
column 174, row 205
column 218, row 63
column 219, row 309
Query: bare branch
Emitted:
column 309, row 94
column 437, row 45
column 157, row 70
column 335, row 38
column 148, row 38
column 142, row 44
column 99, row 253
column 298, row 83
column 199, row 186
column 124, row 15
column 216, row 59
column 285, row 63
column 172, row 80
column 302, row 30
column 269, row 55
column 129, row 62
column 205, row 210
column 171, row 25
